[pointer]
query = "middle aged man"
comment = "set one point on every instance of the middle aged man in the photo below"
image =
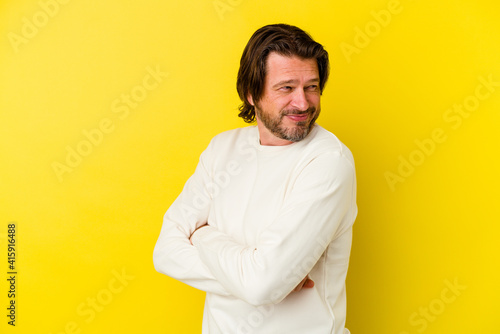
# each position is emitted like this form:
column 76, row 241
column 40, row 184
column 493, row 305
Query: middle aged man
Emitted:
column 264, row 225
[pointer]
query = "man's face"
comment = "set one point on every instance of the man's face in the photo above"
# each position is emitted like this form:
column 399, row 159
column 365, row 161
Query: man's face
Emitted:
column 290, row 103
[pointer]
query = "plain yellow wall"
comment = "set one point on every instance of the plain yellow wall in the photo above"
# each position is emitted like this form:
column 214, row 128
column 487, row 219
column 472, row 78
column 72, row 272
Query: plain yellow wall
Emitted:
column 105, row 107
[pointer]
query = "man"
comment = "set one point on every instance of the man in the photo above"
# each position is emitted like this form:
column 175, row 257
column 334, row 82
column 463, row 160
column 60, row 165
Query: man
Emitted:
column 264, row 225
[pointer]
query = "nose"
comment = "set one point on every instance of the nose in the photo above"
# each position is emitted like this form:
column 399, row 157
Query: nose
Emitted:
column 299, row 100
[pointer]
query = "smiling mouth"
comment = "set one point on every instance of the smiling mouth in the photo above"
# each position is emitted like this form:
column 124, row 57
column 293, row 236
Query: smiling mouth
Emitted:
column 298, row 117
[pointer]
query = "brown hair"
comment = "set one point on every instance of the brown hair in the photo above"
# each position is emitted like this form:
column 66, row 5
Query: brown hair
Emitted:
column 285, row 40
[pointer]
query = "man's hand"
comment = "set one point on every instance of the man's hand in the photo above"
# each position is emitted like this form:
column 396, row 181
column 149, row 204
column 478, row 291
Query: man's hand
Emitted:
column 306, row 283
column 206, row 224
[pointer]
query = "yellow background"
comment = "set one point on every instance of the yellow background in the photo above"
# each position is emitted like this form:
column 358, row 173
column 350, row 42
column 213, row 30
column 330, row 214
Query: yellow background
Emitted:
column 77, row 231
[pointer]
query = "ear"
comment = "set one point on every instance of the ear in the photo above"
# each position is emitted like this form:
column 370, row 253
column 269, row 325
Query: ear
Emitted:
column 250, row 99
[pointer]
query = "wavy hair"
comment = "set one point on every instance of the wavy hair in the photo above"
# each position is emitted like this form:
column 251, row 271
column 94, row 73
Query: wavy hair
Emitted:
column 285, row 40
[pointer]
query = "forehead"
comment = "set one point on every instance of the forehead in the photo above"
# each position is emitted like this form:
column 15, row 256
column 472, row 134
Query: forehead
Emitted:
column 281, row 67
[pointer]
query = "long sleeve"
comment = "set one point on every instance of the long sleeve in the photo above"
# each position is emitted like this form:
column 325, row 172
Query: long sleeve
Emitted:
column 173, row 253
column 319, row 207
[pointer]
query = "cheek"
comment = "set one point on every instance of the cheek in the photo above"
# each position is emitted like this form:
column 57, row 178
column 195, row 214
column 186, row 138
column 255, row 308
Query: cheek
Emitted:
column 279, row 103
column 318, row 105
column 314, row 99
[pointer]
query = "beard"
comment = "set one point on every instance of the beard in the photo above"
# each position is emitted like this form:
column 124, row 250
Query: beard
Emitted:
column 293, row 133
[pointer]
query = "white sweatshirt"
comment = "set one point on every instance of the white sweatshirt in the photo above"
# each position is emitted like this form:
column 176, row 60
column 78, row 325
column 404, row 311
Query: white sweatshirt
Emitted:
column 275, row 215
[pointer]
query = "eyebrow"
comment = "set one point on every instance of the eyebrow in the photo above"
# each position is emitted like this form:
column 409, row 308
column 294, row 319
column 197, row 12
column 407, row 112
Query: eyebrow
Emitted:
column 291, row 81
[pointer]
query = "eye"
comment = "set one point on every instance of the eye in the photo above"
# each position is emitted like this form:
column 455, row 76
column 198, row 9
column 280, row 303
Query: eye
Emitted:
column 312, row 87
column 286, row 88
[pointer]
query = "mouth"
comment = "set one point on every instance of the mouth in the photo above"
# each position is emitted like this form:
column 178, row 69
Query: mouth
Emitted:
column 298, row 117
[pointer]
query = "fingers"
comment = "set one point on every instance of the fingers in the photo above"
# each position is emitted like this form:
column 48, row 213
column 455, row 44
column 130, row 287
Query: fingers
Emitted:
column 306, row 283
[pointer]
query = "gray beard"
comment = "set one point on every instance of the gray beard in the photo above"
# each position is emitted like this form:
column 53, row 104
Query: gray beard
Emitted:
column 294, row 134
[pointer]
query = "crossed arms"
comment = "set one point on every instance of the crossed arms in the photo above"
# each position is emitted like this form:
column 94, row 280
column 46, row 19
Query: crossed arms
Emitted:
column 211, row 260
column 306, row 283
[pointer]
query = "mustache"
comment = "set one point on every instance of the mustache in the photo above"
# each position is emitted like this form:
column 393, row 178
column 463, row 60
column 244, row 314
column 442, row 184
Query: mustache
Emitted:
column 310, row 110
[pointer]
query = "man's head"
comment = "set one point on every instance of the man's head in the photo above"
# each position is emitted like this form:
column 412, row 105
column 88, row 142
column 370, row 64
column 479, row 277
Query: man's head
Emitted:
column 281, row 77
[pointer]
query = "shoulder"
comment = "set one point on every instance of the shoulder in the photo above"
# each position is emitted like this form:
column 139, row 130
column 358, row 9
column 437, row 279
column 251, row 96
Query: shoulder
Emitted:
column 323, row 143
column 233, row 135
column 226, row 143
